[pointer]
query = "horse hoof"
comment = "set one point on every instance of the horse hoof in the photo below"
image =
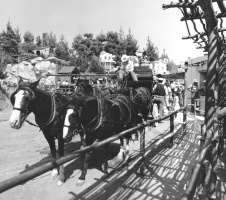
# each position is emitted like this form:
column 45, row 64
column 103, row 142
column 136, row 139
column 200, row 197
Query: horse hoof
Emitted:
column 79, row 182
column 54, row 174
column 104, row 176
column 59, row 183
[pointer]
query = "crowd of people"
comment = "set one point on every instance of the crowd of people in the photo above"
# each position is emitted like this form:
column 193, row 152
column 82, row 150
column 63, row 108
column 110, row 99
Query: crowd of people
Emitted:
column 167, row 96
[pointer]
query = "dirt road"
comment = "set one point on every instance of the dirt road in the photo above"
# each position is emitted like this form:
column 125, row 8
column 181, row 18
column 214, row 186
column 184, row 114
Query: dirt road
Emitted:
column 166, row 170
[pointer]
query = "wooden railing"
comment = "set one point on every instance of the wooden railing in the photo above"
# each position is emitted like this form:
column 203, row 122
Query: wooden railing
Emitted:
column 26, row 176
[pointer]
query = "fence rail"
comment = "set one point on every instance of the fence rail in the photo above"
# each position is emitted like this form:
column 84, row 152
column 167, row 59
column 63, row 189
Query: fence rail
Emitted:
column 26, row 176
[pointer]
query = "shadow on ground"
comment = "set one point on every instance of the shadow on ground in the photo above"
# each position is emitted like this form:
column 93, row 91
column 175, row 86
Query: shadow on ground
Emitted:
column 166, row 172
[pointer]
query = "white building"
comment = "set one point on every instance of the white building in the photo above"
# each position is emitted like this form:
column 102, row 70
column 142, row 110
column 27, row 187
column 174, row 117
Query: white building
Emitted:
column 106, row 60
column 41, row 51
column 160, row 66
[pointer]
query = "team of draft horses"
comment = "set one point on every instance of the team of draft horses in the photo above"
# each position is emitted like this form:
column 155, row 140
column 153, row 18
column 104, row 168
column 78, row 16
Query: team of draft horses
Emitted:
column 93, row 114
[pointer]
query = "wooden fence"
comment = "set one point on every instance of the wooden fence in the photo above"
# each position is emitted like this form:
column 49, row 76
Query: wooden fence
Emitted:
column 26, row 176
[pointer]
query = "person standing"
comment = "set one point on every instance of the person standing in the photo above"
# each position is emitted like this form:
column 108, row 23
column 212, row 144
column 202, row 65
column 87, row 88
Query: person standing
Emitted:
column 193, row 88
column 160, row 92
column 176, row 104
column 168, row 95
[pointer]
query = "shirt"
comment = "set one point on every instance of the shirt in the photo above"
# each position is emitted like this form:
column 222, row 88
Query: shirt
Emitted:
column 128, row 66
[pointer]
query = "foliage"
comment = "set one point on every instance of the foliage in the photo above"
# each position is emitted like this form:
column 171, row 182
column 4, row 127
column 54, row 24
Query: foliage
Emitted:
column 131, row 44
column 38, row 41
column 52, row 42
column 169, row 65
column 28, row 37
column 151, row 51
column 9, row 40
column 27, row 47
column 95, row 66
column 62, row 49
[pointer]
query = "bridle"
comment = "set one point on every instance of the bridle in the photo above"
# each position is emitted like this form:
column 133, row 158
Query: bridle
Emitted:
column 32, row 97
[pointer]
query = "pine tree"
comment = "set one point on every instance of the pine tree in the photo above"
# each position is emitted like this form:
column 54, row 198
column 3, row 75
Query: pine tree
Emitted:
column 9, row 40
column 131, row 44
column 62, row 49
column 38, row 41
column 151, row 51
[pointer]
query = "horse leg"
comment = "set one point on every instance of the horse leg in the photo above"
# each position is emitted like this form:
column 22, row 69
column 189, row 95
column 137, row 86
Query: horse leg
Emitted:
column 127, row 150
column 52, row 147
column 61, row 178
column 83, row 143
column 121, row 153
column 81, row 179
column 105, row 168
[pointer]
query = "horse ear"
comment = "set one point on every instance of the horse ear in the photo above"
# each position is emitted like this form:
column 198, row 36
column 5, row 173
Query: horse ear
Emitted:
column 35, row 84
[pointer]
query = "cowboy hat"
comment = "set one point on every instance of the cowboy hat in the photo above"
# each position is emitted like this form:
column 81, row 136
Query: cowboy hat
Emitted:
column 124, row 58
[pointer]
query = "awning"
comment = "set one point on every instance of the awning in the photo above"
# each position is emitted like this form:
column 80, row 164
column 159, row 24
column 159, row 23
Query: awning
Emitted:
column 68, row 70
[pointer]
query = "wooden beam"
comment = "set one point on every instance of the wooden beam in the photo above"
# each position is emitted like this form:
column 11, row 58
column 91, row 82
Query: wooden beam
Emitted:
column 180, row 5
column 202, row 16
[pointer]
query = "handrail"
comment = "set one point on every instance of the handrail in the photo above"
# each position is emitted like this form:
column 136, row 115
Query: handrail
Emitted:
column 22, row 178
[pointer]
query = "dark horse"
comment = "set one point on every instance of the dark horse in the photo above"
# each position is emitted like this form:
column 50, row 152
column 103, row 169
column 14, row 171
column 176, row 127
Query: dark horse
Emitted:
column 49, row 114
column 98, row 118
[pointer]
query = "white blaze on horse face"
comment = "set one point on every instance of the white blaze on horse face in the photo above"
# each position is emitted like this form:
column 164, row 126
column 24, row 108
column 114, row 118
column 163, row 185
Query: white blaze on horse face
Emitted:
column 15, row 116
column 66, row 122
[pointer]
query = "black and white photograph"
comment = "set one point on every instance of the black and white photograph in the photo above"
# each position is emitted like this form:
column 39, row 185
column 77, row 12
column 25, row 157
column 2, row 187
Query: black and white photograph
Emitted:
column 112, row 100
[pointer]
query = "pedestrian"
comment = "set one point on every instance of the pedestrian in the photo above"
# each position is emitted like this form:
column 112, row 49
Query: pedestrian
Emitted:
column 193, row 88
column 176, row 104
column 160, row 92
column 168, row 95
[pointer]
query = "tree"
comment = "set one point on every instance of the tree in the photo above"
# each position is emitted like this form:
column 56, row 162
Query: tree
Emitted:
column 52, row 42
column 131, row 44
column 151, row 51
column 95, row 65
column 38, row 41
column 9, row 40
column 62, row 49
column 28, row 37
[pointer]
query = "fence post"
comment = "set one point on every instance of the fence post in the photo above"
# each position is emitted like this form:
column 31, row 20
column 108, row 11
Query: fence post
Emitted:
column 142, row 150
column 171, row 129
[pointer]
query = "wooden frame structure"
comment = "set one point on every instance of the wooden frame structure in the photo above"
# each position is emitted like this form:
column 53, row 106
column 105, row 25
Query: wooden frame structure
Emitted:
column 212, row 40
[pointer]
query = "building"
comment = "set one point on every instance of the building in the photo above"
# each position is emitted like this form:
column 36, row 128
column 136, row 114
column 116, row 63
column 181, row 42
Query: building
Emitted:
column 160, row 66
column 106, row 61
column 41, row 51
column 197, row 69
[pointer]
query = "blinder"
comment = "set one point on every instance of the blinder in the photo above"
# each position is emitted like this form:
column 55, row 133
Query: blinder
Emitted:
column 31, row 97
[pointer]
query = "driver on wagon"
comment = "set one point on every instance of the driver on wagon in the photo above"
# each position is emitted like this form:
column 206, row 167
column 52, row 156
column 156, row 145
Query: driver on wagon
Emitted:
column 126, row 68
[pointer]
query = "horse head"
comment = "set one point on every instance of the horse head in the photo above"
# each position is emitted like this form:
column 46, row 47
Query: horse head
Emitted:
column 73, row 115
column 22, row 101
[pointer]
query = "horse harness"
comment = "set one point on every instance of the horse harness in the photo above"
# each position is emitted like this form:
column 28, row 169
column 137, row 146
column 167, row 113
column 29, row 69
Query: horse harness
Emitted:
column 101, row 113
column 54, row 113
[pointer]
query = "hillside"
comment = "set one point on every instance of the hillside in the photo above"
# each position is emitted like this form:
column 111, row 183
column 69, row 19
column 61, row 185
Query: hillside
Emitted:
column 4, row 99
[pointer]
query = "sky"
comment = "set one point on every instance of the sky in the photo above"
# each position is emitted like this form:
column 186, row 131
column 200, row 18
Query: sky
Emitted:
column 145, row 18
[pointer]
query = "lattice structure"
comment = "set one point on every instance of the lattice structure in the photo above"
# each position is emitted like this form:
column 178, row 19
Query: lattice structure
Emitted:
column 212, row 40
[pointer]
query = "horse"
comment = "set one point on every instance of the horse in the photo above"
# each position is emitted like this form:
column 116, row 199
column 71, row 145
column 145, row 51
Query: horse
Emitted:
column 49, row 111
column 98, row 119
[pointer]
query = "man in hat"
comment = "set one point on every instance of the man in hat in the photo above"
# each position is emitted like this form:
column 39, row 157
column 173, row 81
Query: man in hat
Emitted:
column 193, row 88
column 127, row 67
column 160, row 91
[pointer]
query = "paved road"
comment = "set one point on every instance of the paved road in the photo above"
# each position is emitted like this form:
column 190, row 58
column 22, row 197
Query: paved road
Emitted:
column 166, row 170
